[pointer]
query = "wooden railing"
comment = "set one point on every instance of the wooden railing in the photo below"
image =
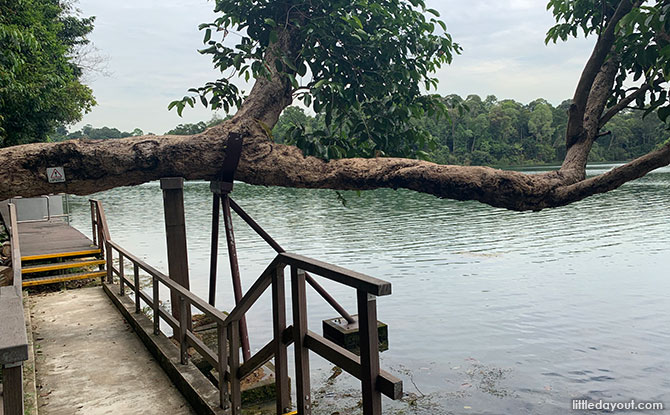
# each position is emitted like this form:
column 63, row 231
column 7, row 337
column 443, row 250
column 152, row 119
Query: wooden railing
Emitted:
column 13, row 336
column 99, row 229
column 226, row 359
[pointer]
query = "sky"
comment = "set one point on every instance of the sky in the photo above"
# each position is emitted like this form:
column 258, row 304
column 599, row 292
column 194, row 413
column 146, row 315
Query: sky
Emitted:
column 150, row 57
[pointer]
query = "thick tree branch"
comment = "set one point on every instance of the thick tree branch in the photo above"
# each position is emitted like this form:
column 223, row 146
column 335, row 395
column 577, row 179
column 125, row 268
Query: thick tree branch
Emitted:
column 92, row 166
column 575, row 128
column 613, row 178
column 623, row 104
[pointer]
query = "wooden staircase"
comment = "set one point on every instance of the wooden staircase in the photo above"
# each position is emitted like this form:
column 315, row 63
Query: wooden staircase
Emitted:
column 61, row 267
column 54, row 251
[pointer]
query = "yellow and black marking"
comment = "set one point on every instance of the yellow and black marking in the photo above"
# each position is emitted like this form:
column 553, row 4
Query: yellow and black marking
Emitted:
column 61, row 265
column 62, row 278
column 89, row 252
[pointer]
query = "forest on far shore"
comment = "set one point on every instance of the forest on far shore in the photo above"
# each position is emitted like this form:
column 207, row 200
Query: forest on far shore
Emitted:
column 480, row 132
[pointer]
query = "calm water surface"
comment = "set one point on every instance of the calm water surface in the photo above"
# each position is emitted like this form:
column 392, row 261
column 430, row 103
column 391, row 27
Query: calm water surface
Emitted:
column 492, row 312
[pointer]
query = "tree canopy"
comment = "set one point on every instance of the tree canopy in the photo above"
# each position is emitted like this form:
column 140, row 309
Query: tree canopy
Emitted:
column 40, row 84
column 363, row 63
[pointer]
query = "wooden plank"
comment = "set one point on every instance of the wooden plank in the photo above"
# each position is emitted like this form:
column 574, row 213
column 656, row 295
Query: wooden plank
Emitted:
column 388, row 384
column 280, row 352
column 13, row 338
column 175, row 235
column 61, row 265
column 194, row 300
column 256, row 290
column 257, row 360
column 222, row 337
column 234, row 365
column 302, row 381
column 369, row 342
column 12, row 382
column 47, row 238
column 61, row 255
column 29, row 282
column 342, row 275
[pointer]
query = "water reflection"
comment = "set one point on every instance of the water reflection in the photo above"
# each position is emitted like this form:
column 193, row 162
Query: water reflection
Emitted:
column 492, row 311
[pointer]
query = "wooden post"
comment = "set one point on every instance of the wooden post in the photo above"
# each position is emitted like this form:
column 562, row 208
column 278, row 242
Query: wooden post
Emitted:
column 302, row 388
column 110, row 264
column 12, row 382
column 175, row 233
column 222, row 334
column 279, row 325
column 369, row 337
column 94, row 232
column 122, row 282
column 183, row 329
column 156, row 305
column 234, row 364
column 136, row 278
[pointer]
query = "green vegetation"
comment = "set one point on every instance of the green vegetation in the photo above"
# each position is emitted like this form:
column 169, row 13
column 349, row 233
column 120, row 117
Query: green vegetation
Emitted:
column 506, row 132
column 89, row 132
column 360, row 63
column 40, row 88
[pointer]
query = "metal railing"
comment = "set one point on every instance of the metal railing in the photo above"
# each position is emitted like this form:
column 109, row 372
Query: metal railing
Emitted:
column 14, row 340
column 226, row 358
column 49, row 216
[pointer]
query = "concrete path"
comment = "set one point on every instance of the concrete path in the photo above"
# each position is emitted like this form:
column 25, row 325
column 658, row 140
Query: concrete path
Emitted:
column 89, row 361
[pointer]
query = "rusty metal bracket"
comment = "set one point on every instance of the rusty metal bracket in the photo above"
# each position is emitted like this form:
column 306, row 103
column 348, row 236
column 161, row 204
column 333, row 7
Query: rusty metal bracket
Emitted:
column 224, row 182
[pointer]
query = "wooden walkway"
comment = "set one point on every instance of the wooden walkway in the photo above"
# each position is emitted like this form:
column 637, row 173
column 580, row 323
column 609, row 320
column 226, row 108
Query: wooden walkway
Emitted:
column 53, row 239
column 90, row 362
column 53, row 251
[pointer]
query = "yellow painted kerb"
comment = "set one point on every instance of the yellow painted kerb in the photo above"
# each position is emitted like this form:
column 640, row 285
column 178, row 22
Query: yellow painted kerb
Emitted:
column 63, row 265
column 40, row 281
column 60, row 255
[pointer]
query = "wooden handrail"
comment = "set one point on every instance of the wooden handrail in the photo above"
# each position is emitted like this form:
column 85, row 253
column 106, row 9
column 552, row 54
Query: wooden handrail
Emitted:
column 256, row 290
column 17, row 279
column 374, row 381
column 191, row 298
column 14, row 339
column 344, row 276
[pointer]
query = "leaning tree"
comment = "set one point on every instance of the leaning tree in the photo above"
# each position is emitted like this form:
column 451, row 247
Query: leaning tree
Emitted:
column 362, row 64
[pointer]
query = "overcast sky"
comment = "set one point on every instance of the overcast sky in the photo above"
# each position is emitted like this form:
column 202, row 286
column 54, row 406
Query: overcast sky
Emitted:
column 151, row 57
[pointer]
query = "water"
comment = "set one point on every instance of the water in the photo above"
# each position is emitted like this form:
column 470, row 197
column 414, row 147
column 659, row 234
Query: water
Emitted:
column 492, row 311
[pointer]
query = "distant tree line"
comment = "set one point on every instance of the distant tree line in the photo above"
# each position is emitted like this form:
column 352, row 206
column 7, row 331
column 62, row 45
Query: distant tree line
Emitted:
column 105, row 133
column 506, row 132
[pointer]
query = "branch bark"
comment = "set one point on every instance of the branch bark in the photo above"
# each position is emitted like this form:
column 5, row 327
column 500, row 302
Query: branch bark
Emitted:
column 92, row 166
column 575, row 130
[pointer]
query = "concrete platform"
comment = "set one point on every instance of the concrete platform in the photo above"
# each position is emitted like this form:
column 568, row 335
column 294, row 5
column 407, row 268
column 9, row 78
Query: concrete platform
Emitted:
column 89, row 361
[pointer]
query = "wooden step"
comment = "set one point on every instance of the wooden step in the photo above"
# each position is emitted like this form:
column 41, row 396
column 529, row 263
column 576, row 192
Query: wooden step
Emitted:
column 29, row 282
column 88, row 252
column 61, row 265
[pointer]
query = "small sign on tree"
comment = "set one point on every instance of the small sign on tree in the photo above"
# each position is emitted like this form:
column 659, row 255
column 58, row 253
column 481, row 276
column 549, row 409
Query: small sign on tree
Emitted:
column 55, row 174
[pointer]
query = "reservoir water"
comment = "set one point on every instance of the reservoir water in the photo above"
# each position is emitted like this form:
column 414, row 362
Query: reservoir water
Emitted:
column 492, row 311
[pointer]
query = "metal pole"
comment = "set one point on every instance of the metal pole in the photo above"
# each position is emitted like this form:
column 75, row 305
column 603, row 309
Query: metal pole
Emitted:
column 235, row 272
column 215, row 248
column 267, row 238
